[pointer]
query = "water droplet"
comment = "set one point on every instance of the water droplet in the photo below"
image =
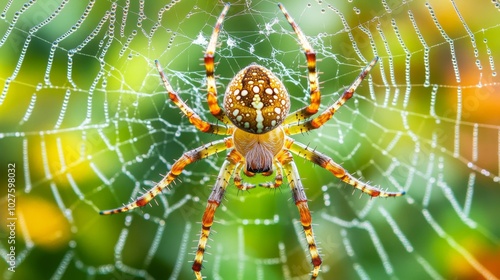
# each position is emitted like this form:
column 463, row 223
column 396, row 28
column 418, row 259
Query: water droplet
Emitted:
column 128, row 220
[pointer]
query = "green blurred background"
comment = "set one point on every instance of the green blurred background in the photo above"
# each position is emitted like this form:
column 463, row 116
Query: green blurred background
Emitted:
column 85, row 120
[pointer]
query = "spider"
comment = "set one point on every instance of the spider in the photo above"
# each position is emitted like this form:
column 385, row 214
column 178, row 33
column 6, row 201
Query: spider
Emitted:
column 258, row 124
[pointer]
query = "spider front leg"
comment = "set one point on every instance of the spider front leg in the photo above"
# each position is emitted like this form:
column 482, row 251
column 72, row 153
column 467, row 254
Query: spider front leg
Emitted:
column 315, row 94
column 330, row 111
column 225, row 174
column 187, row 158
column 337, row 170
column 213, row 106
column 300, row 199
column 188, row 112
column 242, row 186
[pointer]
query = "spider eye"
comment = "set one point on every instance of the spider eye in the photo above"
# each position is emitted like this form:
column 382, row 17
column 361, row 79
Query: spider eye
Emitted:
column 256, row 101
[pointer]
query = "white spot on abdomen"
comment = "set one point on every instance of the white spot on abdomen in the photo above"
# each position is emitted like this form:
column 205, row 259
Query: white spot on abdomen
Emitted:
column 259, row 119
column 257, row 103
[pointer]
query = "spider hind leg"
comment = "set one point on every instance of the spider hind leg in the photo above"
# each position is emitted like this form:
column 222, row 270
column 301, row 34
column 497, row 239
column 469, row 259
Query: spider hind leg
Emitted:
column 226, row 172
column 300, row 199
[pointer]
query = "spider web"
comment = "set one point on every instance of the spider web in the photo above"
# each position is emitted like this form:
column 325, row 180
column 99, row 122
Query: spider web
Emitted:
column 86, row 122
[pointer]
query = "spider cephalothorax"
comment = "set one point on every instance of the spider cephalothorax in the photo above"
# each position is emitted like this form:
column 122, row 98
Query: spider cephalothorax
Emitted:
column 257, row 104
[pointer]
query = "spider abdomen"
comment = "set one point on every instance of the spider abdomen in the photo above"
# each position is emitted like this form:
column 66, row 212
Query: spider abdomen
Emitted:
column 256, row 101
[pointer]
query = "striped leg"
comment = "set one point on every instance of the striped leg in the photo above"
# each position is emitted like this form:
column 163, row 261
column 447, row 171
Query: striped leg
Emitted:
column 209, row 68
column 315, row 94
column 192, row 116
column 300, row 199
column 337, row 170
column 187, row 158
column 214, row 200
column 330, row 111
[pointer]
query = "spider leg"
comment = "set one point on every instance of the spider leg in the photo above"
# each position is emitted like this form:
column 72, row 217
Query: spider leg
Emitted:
column 213, row 203
column 242, row 186
column 337, row 170
column 330, row 111
column 278, row 179
column 187, row 158
column 315, row 94
column 300, row 199
column 188, row 112
column 209, row 68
